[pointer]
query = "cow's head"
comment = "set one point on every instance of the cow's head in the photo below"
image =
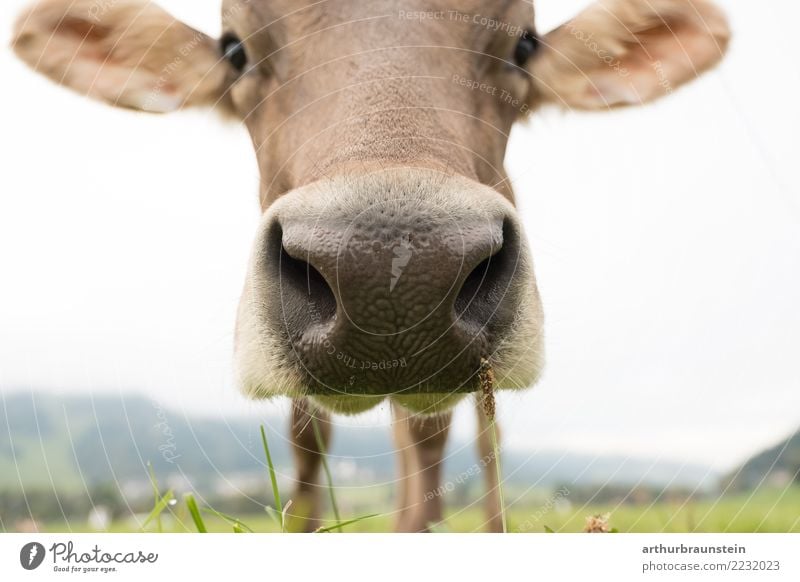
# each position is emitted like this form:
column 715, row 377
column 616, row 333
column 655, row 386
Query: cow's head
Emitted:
column 390, row 258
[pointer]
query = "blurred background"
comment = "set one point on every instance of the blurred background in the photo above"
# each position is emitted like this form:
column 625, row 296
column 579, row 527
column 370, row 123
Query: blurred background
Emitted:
column 667, row 254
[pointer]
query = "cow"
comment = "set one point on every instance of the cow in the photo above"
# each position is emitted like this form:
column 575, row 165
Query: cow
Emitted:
column 390, row 263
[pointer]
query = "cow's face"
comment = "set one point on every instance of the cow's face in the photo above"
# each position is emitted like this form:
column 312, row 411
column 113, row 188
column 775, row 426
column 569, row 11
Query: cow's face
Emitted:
column 390, row 258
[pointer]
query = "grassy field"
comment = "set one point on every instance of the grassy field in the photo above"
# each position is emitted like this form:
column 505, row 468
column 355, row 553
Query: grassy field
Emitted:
column 769, row 510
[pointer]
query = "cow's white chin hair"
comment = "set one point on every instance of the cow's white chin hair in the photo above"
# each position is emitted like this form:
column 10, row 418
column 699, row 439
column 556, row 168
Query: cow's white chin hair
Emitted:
column 348, row 405
column 517, row 365
column 428, row 404
column 524, row 371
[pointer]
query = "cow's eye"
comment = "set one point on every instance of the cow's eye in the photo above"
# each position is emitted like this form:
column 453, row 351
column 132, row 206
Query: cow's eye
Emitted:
column 233, row 51
column 527, row 45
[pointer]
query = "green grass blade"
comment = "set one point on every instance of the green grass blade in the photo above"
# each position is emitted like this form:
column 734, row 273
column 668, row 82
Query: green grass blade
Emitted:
column 276, row 495
column 228, row 519
column 160, row 505
column 156, row 494
column 340, row 525
column 324, row 456
column 273, row 513
column 195, row 513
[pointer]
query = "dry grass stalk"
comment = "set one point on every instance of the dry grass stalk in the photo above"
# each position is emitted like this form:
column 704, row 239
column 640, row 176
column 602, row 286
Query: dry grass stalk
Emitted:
column 486, row 377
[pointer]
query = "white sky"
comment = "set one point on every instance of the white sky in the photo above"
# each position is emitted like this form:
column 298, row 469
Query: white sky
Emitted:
column 666, row 244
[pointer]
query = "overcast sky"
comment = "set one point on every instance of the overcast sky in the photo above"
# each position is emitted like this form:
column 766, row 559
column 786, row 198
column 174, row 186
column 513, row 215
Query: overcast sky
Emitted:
column 666, row 241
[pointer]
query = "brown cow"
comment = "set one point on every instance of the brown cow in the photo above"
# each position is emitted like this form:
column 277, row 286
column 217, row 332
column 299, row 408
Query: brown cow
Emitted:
column 390, row 260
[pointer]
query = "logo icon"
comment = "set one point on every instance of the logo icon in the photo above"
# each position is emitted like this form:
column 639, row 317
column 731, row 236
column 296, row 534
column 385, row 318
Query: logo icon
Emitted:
column 31, row 555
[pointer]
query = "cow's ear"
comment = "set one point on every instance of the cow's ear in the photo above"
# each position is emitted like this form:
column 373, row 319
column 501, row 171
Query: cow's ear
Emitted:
column 626, row 52
column 129, row 53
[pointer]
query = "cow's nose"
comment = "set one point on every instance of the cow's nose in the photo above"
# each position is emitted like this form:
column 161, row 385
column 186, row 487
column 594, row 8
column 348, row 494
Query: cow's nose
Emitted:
column 388, row 301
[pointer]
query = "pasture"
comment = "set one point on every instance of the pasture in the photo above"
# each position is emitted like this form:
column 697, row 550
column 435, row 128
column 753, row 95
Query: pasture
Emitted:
column 766, row 511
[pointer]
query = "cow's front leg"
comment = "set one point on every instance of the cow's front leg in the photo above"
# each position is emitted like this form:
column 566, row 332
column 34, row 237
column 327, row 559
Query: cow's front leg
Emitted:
column 420, row 442
column 304, row 513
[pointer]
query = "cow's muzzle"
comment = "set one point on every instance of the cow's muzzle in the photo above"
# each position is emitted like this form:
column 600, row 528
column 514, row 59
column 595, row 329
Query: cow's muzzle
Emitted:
column 389, row 285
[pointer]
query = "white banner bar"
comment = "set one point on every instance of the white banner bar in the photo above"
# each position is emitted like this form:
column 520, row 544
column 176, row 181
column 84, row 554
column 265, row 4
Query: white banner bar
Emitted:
column 387, row 557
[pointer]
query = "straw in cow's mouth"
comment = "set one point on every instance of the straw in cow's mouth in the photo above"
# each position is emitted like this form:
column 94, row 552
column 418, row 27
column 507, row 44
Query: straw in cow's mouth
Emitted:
column 487, row 380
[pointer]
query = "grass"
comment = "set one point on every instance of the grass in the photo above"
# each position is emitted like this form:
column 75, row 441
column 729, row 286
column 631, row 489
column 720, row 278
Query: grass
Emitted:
column 736, row 513
column 766, row 510
column 740, row 513
column 279, row 509
column 194, row 511
column 220, row 522
column 160, row 505
column 340, row 524
column 326, row 468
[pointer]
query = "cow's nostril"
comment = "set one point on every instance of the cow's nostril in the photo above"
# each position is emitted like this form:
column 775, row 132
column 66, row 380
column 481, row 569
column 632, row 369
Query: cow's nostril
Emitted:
column 482, row 293
column 304, row 286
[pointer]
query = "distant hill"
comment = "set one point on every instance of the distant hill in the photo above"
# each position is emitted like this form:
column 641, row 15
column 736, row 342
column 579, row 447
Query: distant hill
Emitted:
column 71, row 443
column 777, row 466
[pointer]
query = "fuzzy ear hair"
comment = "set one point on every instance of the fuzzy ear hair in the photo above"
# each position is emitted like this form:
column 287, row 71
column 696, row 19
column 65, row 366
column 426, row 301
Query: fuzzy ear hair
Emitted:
column 128, row 53
column 627, row 52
